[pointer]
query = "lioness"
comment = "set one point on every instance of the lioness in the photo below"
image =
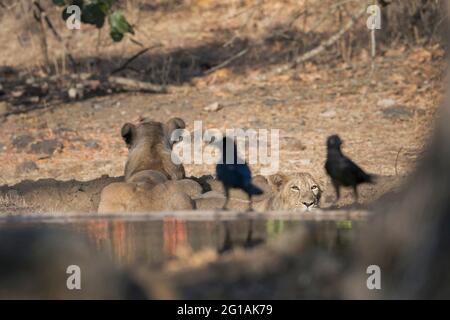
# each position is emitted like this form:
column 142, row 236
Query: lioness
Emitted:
column 131, row 197
column 282, row 192
column 149, row 148
column 153, row 182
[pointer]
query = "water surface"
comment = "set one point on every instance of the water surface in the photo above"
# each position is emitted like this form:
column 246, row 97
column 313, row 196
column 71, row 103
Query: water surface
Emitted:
column 155, row 241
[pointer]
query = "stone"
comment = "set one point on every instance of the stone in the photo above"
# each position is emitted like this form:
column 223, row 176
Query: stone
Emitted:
column 386, row 103
column 76, row 93
column 22, row 141
column 213, row 107
column 26, row 166
column 92, row 144
column 328, row 114
column 398, row 112
column 47, row 147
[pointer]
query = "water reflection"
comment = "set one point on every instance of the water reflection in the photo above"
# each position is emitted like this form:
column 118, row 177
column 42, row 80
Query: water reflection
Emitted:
column 130, row 242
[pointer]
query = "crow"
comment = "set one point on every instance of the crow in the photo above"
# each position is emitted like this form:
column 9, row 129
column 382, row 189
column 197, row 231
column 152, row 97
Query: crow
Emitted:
column 234, row 172
column 342, row 170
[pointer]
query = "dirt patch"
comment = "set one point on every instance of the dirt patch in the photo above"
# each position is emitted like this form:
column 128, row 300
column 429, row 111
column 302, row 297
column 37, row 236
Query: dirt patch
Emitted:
column 50, row 195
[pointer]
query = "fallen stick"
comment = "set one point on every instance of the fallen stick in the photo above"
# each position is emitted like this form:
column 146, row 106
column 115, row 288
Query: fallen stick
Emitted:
column 136, row 85
column 134, row 57
column 228, row 61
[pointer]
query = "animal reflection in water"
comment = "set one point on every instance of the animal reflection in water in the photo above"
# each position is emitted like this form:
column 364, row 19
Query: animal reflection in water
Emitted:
column 129, row 242
column 249, row 242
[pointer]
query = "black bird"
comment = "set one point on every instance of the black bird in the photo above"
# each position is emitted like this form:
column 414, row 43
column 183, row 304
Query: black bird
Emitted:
column 233, row 172
column 342, row 170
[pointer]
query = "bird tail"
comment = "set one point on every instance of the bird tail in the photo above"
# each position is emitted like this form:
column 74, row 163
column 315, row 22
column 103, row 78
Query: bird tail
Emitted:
column 371, row 178
column 253, row 190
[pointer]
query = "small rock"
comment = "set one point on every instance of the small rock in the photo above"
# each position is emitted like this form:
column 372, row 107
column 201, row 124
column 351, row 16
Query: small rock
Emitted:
column 328, row 114
column 271, row 102
column 17, row 93
column 61, row 130
column 26, row 166
column 30, row 81
column 213, row 107
column 92, row 144
column 398, row 112
column 22, row 141
column 34, row 99
column 386, row 103
column 76, row 93
column 84, row 76
column 47, row 147
column 72, row 93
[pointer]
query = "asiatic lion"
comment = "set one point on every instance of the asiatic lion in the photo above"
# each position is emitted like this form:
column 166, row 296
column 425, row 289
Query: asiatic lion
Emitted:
column 153, row 182
column 298, row 191
column 150, row 147
column 131, row 197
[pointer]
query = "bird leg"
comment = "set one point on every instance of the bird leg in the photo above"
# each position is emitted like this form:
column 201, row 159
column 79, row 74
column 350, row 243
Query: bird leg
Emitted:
column 355, row 192
column 227, row 243
column 337, row 190
column 227, row 196
column 250, row 208
column 248, row 241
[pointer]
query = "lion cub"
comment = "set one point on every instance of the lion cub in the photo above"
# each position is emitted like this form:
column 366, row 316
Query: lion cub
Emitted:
column 153, row 182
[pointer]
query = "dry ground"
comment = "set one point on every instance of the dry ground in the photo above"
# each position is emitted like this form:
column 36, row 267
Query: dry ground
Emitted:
column 384, row 116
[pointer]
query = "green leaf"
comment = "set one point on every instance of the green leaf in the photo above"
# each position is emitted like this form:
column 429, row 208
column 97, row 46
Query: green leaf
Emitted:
column 59, row 3
column 119, row 23
column 116, row 36
column 93, row 14
column 105, row 5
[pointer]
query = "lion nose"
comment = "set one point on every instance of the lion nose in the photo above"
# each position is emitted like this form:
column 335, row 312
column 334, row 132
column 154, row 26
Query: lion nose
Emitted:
column 308, row 204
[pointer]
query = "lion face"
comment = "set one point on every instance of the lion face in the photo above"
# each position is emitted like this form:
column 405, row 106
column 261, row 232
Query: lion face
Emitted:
column 298, row 191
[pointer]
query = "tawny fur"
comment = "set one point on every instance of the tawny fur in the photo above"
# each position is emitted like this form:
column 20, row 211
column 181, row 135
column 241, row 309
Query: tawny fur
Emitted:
column 152, row 181
column 150, row 148
column 130, row 197
column 281, row 194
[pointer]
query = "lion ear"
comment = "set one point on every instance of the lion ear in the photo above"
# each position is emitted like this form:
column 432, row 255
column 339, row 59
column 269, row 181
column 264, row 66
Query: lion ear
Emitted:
column 277, row 180
column 173, row 124
column 128, row 133
column 260, row 179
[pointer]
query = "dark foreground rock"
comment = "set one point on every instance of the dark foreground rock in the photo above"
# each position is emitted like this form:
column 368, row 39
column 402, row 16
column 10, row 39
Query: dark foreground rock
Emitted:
column 35, row 262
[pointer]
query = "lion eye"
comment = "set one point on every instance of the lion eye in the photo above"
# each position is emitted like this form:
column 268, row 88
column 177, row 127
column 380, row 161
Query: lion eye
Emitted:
column 295, row 188
column 313, row 187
